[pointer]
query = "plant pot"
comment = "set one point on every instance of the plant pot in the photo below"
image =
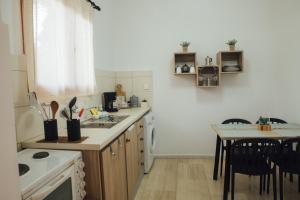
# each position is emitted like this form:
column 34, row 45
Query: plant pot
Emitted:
column 185, row 49
column 265, row 127
column 232, row 47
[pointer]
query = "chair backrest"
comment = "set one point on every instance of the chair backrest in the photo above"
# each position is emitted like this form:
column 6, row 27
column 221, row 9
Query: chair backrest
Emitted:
column 236, row 121
column 289, row 158
column 275, row 121
column 250, row 154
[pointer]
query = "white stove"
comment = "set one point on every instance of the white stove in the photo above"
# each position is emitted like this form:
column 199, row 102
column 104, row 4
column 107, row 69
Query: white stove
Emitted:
column 51, row 174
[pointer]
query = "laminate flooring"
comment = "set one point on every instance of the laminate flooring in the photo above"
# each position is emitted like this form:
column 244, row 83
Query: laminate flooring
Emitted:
column 191, row 179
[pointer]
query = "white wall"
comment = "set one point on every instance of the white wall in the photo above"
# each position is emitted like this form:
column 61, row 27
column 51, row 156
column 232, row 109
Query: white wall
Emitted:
column 147, row 33
column 9, row 181
column 103, row 35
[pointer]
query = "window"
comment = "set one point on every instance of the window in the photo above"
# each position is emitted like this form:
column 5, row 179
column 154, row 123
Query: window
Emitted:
column 59, row 47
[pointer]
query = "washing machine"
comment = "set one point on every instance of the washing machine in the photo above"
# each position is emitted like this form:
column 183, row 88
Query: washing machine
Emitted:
column 149, row 142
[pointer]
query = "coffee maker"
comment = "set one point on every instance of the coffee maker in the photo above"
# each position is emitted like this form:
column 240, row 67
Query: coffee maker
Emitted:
column 109, row 101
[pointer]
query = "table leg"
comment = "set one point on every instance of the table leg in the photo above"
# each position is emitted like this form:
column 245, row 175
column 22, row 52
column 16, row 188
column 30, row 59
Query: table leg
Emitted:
column 217, row 158
column 227, row 170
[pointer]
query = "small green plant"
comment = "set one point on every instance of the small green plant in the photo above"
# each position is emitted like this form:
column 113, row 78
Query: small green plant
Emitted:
column 185, row 44
column 263, row 120
column 232, row 42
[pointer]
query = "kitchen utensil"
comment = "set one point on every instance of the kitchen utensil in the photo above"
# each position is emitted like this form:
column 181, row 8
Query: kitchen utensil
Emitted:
column 71, row 105
column 54, row 107
column 44, row 106
column 178, row 70
column 63, row 114
column 134, row 101
column 192, row 70
column 34, row 104
column 185, row 68
column 80, row 113
column 208, row 60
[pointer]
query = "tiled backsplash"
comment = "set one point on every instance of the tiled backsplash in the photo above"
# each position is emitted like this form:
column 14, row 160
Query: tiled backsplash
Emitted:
column 29, row 123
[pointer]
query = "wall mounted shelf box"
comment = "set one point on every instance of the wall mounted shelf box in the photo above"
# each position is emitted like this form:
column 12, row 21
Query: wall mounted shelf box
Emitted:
column 185, row 59
column 208, row 76
column 231, row 62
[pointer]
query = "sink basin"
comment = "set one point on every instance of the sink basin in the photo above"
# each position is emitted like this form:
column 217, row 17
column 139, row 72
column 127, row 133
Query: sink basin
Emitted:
column 107, row 122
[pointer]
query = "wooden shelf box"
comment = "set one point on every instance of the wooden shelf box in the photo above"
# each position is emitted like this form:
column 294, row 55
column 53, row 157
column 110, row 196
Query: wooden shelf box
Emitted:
column 182, row 59
column 231, row 62
column 208, row 76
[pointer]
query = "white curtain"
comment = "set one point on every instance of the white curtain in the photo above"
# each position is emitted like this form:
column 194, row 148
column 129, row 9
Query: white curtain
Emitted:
column 62, row 48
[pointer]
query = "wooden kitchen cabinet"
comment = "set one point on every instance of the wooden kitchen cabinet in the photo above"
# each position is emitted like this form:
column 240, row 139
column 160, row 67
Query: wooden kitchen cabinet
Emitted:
column 132, row 161
column 114, row 170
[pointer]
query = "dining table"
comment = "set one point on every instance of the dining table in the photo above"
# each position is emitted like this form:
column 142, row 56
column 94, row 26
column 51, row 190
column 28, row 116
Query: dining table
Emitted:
column 231, row 132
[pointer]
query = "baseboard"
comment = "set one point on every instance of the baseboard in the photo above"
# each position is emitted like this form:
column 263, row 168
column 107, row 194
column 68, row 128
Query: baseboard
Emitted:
column 183, row 156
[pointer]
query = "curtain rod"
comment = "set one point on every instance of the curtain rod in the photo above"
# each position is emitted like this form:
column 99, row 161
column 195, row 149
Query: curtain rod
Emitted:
column 94, row 5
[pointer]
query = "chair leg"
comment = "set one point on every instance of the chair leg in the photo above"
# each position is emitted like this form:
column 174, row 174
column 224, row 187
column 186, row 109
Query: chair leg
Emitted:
column 268, row 184
column 274, row 183
column 221, row 162
column 281, row 184
column 260, row 184
column 232, row 185
column 299, row 183
column 291, row 177
column 264, row 183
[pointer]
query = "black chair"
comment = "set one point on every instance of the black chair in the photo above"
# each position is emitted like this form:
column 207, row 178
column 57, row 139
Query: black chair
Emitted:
column 223, row 147
column 289, row 161
column 275, row 121
column 253, row 157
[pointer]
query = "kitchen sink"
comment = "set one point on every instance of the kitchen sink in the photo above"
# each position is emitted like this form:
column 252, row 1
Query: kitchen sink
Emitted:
column 107, row 122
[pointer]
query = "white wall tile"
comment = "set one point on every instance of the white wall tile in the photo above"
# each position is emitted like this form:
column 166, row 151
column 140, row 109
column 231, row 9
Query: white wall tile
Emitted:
column 124, row 74
column 141, row 84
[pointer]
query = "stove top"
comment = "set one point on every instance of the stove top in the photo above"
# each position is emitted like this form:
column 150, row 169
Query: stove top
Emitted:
column 38, row 165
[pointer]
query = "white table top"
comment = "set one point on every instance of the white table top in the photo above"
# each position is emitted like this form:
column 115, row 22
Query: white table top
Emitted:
column 242, row 131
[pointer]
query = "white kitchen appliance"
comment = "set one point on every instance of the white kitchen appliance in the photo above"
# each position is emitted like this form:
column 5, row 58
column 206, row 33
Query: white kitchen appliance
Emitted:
column 51, row 174
column 149, row 144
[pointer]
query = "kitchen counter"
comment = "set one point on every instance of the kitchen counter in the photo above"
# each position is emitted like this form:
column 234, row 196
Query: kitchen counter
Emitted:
column 98, row 138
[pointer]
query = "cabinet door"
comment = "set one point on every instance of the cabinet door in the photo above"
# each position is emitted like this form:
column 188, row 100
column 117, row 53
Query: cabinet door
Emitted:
column 114, row 171
column 132, row 160
column 120, row 170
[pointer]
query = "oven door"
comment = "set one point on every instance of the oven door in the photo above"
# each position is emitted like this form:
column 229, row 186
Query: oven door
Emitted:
column 59, row 188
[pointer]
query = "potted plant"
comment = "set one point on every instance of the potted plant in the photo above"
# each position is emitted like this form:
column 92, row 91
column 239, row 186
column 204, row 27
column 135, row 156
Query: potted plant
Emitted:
column 231, row 44
column 185, row 45
column 263, row 124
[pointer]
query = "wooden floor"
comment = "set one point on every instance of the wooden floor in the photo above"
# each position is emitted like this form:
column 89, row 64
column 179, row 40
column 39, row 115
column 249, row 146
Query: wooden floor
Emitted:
column 191, row 179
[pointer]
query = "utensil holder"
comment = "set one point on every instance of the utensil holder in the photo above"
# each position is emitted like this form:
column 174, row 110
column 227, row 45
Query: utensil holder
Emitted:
column 50, row 130
column 73, row 127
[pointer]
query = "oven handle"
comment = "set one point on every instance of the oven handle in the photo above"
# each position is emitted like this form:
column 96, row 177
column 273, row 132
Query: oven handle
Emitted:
column 53, row 184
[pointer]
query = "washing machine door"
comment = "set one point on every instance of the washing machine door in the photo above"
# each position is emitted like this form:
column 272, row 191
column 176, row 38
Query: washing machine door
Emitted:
column 153, row 141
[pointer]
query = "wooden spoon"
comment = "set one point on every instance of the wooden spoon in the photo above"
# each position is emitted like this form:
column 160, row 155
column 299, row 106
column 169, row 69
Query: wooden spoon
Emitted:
column 54, row 107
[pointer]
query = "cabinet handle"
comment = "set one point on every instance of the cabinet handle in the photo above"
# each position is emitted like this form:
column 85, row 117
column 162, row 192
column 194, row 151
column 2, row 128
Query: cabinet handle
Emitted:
column 141, row 126
column 142, row 164
column 141, row 139
column 111, row 151
column 127, row 140
column 142, row 151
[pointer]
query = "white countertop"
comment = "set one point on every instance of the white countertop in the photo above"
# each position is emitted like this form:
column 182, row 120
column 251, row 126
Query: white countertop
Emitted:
column 98, row 138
